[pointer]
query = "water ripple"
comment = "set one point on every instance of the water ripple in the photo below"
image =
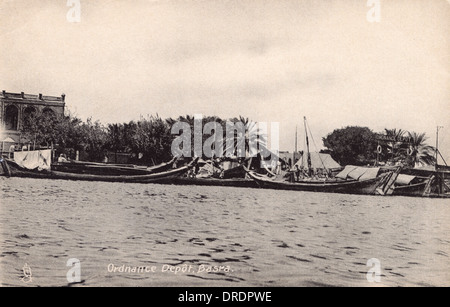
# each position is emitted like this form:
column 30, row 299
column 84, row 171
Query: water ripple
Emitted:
column 219, row 236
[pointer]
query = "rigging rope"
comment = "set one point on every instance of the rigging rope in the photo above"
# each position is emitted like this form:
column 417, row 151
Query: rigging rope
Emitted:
column 315, row 146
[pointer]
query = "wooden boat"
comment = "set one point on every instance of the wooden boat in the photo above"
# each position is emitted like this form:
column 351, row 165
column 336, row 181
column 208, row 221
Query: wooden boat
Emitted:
column 413, row 189
column 17, row 171
column 351, row 180
column 409, row 185
column 411, row 182
column 4, row 170
column 425, row 181
column 93, row 168
column 348, row 186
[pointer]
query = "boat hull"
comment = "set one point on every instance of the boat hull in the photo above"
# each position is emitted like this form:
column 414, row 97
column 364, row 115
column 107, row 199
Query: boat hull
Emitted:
column 417, row 189
column 109, row 169
column 348, row 187
column 17, row 171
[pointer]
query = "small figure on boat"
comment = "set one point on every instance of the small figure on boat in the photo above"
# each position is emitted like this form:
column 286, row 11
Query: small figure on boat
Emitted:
column 62, row 158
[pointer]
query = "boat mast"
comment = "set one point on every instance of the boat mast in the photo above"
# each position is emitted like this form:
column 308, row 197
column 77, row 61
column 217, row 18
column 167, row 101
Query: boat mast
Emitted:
column 295, row 149
column 436, row 169
column 437, row 150
column 307, row 147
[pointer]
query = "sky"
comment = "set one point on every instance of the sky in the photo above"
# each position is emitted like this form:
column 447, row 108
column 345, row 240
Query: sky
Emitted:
column 270, row 61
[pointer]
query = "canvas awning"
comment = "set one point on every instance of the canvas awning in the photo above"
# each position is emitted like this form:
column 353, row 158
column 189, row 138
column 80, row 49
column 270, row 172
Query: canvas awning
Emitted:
column 344, row 173
column 37, row 159
column 358, row 172
column 403, row 179
column 370, row 173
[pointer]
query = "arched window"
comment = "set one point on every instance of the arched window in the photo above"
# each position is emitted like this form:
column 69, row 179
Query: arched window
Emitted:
column 11, row 117
column 48, row 113
column 29, row 115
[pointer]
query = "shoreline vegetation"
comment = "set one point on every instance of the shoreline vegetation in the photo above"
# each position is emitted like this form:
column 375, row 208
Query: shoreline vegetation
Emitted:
column 148, row 141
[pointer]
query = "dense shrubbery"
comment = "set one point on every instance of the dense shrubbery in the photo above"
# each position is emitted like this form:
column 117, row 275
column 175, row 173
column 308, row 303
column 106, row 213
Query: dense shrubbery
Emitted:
column 149, row 139
column 351, row 145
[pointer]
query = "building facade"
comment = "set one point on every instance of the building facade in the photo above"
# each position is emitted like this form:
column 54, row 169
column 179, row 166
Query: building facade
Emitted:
column 16, row 107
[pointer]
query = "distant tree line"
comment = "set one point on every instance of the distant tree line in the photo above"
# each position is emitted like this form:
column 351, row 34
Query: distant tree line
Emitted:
column 149, row 139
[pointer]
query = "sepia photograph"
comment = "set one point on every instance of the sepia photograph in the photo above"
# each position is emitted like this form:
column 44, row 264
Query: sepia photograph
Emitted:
column 225, row 144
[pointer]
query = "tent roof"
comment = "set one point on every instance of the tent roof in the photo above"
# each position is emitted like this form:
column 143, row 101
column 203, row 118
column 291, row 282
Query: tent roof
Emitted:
column 358, row 172
column 318, row 160
column 8, row 140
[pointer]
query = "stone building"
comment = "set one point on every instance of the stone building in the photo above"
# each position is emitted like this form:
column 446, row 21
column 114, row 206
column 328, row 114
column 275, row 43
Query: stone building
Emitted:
column 15, row 107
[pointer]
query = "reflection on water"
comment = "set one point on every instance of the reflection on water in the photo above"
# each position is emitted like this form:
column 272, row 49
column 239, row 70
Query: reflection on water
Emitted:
column 164, row 235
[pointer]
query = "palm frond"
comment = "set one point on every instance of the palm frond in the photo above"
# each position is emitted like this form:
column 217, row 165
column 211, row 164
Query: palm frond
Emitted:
column 421, row 153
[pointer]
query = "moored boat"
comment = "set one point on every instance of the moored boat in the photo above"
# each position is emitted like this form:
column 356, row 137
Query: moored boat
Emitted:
column 424, row 182
column 361, row 185
column 351, row 180
column 408, row 185
column 216, row 173
column 15, row 170
column 94, row 168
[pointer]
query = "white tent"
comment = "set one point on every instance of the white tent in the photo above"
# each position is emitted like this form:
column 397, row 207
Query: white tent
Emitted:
column 7, row 144
column 318, row 161
column 8, row 140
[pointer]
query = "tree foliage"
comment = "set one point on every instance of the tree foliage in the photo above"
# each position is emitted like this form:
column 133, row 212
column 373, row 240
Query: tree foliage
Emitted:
column 92, row 139
column 420, row 153
column 152, row 139
column 352, row 145
column 66, row 133
column 358, row 145
column 149, row 139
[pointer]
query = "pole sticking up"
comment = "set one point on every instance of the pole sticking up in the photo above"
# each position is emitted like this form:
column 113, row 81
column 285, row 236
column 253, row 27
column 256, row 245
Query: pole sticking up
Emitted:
column 437, row 150
column 307, row 149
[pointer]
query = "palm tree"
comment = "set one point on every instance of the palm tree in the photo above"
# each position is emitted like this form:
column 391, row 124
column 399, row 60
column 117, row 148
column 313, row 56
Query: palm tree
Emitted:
column 420, row 153
column 395, row 144
column 249, row 139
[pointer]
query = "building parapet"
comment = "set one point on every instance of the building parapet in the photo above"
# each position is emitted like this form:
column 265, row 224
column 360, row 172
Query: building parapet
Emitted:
column 39, row 97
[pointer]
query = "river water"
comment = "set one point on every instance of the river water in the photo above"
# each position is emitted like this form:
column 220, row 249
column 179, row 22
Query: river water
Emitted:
column 165, row 235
